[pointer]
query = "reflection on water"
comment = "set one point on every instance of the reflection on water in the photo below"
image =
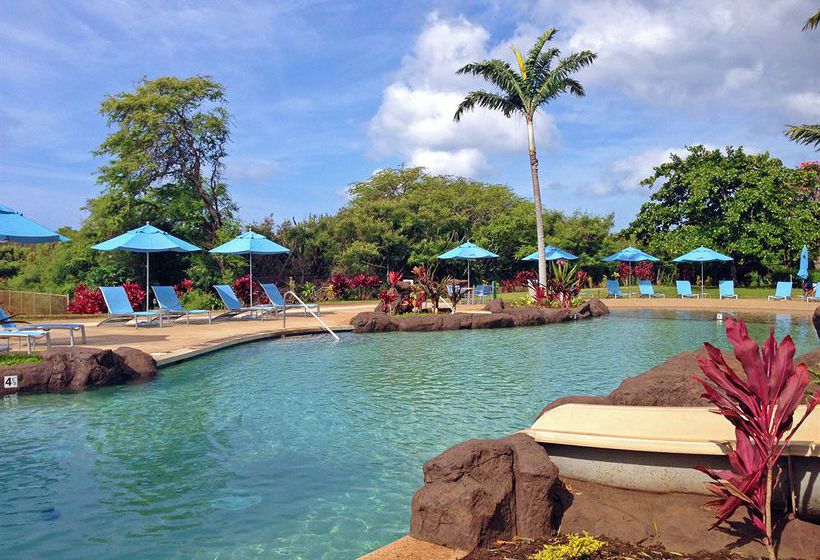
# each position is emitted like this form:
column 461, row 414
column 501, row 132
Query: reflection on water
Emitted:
column 299, row 448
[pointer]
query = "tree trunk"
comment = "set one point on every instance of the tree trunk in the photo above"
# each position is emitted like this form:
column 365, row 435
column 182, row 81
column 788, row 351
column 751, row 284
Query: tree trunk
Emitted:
column 539, row 211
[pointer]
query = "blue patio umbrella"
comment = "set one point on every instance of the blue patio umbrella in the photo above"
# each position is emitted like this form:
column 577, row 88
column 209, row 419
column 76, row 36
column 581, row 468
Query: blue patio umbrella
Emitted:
column 551, row 254
column 146, row 239
column 702, row 255
column 468, row 251
column 630, row 255
column 250, row 243
column 804, row 263
column 17, row 229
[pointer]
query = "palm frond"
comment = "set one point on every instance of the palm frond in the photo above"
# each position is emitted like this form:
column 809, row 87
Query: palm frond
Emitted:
column 497, row 72
column 813, row 22
column 558, row 81
column 534, row 53
column 807, row 134
column 487, row 100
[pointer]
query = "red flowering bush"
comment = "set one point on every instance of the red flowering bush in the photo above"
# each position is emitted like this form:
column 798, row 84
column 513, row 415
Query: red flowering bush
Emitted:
column 644, row 270
column 358, row 286
column 136, row 295
column 86, row 301
column 520, row 280
column 184, row 287
column 761, row 407
column 242, row 289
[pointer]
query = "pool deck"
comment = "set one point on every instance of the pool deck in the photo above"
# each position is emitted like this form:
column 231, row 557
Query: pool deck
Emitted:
column 178, row 341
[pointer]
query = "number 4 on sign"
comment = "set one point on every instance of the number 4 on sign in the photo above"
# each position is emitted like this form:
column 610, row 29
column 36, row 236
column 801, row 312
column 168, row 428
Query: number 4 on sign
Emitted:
column 10, row 381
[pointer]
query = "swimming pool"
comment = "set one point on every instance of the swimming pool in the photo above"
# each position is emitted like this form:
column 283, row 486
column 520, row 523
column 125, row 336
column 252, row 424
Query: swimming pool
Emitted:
column 298, row 448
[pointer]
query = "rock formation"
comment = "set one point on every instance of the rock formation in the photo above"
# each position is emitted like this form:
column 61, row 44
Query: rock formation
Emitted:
column 500, row 316
column 488, row 489
column 77, row 369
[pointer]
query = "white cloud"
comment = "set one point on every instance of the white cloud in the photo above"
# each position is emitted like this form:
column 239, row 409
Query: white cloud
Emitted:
column 747, row 52
column 805, row 104
column 415, row 118
column 625, row 175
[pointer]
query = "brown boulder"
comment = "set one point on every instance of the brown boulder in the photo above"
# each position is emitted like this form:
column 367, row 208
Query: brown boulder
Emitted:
column 483, row 490
column 816, row 320
column 77, row 369
column 373, row 322
column 668, row 384
column 592, row 308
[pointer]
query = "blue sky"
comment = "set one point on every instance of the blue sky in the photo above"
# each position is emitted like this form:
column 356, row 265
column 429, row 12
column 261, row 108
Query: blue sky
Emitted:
column 324, row 93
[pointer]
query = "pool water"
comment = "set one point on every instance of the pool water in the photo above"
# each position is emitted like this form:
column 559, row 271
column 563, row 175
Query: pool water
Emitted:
column 300, row 448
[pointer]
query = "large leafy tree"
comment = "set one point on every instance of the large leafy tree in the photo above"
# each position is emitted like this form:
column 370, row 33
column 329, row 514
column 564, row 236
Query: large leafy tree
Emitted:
column 169, row 133
column 808, row 134
column 749, row 206
column 541, row 77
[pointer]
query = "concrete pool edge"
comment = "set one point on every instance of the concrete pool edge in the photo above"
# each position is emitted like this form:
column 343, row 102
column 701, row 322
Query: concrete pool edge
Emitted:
column 184, row 354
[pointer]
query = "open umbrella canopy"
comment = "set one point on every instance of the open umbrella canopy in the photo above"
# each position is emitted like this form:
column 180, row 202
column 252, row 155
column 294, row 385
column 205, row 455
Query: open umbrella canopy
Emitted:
column 250, row 243
column 468, row 251
column 146, row 239
column 703, row 254
column 551, row 254
column 630, row 254
column 17, row 229
column 804, row 263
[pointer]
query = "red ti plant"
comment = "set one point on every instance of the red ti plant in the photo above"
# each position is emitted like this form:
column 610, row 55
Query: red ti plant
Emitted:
column 394, row 277
column 387, row 298
column 761, row 407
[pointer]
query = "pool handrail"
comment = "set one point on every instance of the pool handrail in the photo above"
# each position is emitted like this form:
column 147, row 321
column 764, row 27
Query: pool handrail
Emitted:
column 321, row 322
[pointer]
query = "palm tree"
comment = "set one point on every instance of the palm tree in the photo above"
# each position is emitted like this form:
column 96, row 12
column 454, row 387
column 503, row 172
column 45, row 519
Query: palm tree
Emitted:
column 808, row 134
column 542, row 77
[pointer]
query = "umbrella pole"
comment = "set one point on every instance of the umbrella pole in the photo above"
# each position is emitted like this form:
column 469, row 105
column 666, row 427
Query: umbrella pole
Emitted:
column 147, row 277
column 250, row 287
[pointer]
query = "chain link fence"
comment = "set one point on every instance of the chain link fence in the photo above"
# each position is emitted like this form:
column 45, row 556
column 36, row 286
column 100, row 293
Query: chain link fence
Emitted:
column 33, row 303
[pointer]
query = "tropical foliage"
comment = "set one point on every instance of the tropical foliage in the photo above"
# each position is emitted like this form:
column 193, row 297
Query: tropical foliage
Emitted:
column 541, row 77
column 749, row 206
column 761, row 407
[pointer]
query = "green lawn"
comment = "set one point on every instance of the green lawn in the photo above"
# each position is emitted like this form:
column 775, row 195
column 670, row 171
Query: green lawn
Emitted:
column 16, row 359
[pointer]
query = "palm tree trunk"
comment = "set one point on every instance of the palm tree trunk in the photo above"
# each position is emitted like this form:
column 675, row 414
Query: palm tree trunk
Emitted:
column 539, row 211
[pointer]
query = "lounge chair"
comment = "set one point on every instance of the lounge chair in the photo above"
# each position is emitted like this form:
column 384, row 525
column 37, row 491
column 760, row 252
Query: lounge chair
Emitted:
column 170, row 305
column 30, row 337
column 120, row 310
column 726, row 289
column 783, row 290
column 646, row 290
column 482, row 292
column 234, row 307
column 278, row 302
column 8, row 324
column 684, row 288
column 613, row 290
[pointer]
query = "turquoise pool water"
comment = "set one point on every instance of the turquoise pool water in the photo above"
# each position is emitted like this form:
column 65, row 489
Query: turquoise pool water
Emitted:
column 298, row 448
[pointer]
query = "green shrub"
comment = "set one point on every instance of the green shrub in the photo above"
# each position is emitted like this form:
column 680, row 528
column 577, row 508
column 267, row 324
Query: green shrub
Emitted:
column 579, row 546
column 199, row 299
column 17, row 359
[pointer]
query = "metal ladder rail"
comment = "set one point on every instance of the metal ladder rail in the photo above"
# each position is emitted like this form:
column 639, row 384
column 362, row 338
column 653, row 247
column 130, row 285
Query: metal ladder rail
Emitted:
column 308, row 309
